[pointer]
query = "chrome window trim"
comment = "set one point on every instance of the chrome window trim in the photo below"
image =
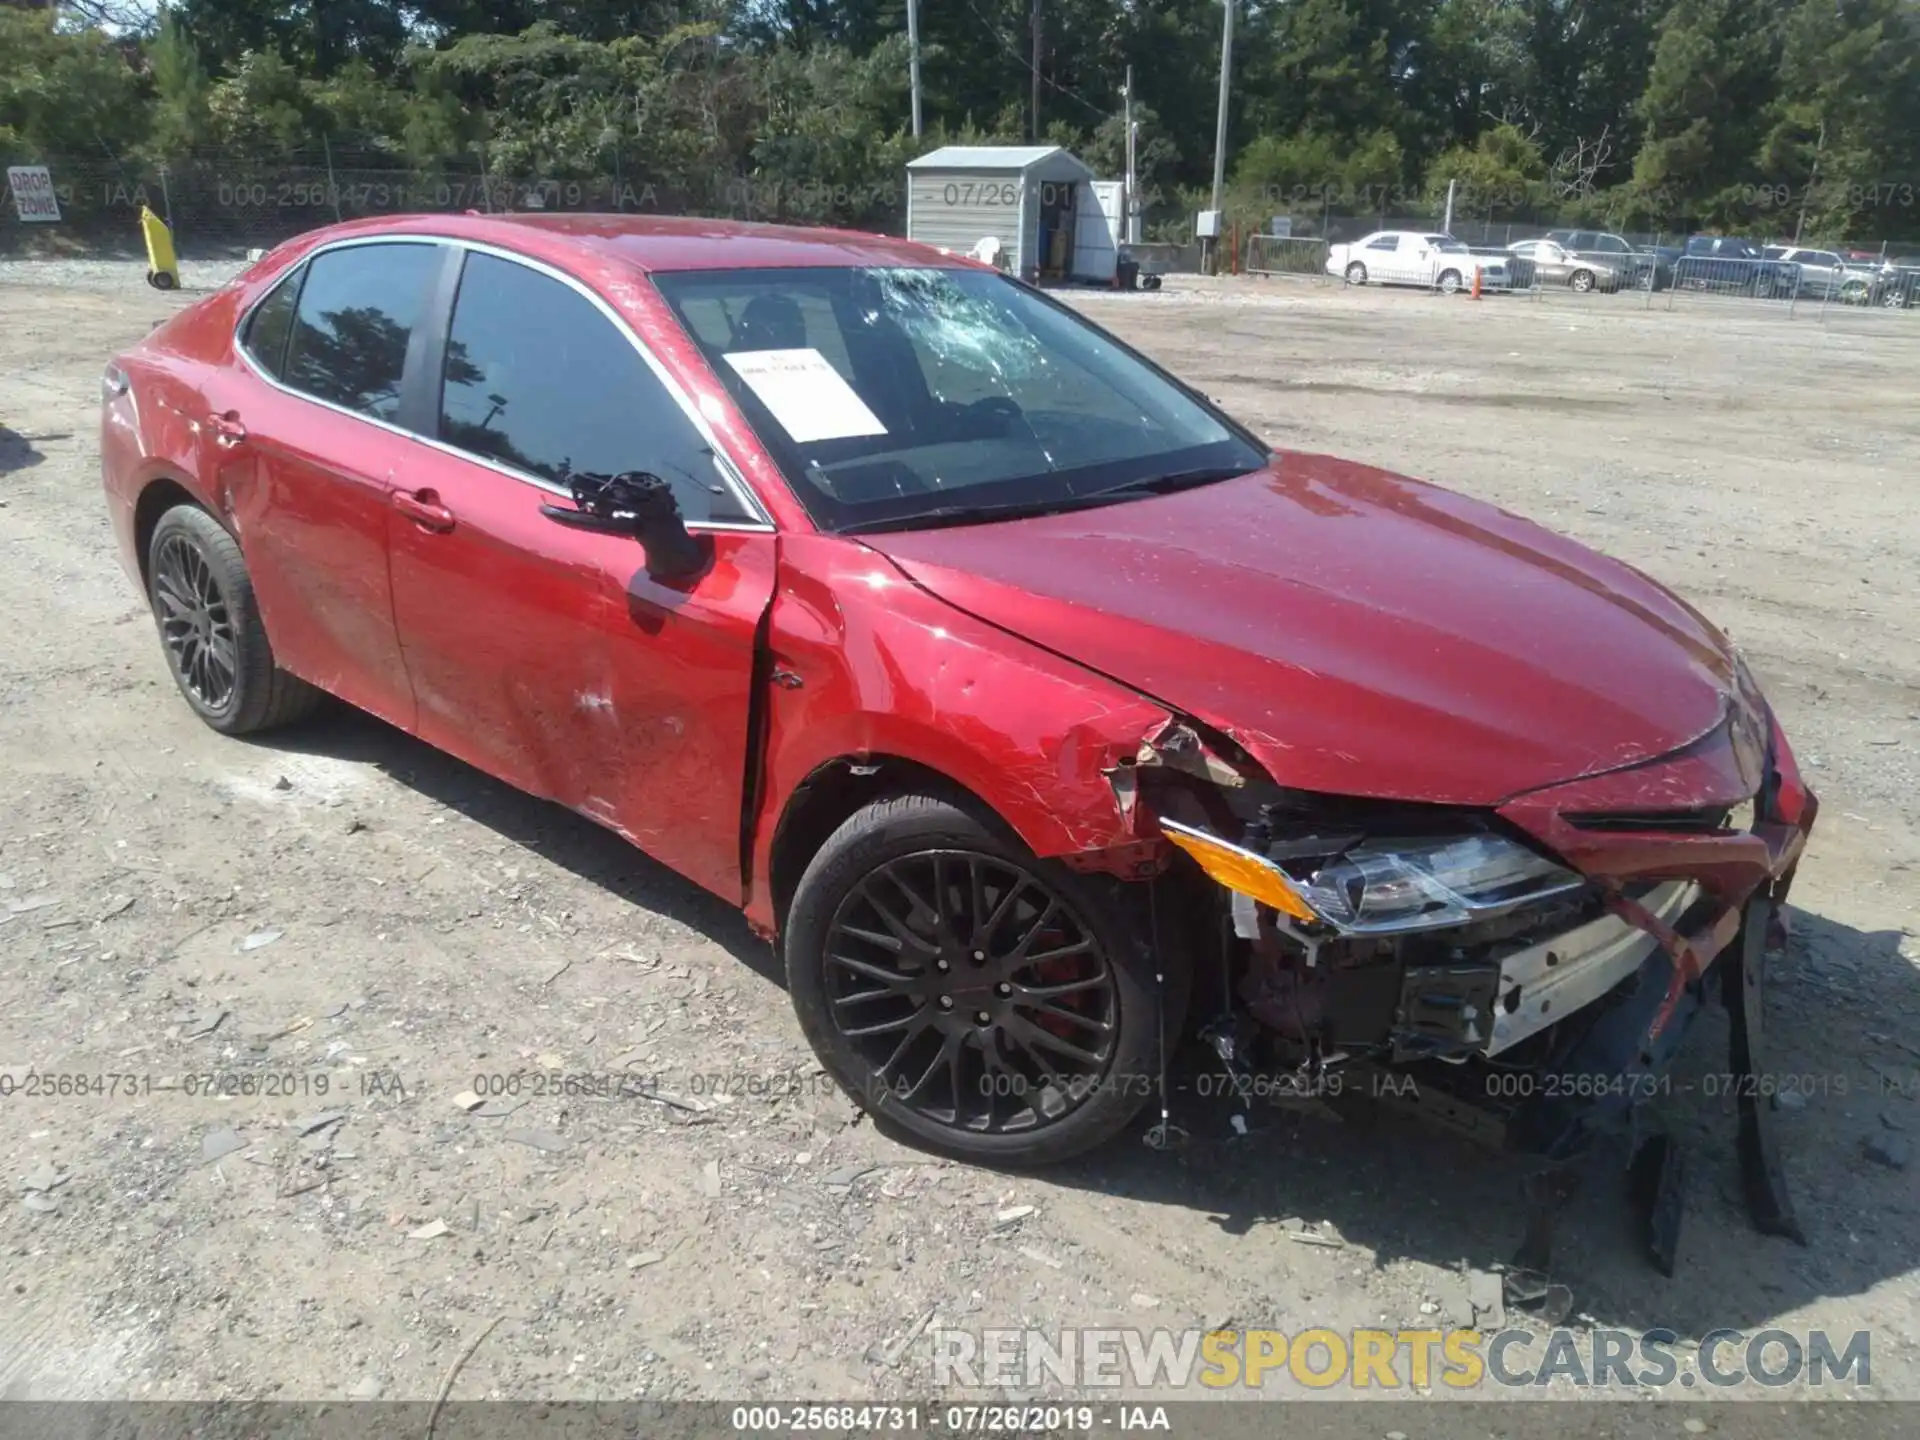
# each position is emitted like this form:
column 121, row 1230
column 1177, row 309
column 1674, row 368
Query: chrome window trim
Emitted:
column 729, row 473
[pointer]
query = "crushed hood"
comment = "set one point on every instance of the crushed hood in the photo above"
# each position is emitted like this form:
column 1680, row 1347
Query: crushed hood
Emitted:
column 1357, row 632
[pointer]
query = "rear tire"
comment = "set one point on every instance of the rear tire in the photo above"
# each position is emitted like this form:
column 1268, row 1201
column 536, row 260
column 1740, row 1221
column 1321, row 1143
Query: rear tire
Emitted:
column 1449, row 282
column 1356, row 274
column 210, row 628
column 907, row 950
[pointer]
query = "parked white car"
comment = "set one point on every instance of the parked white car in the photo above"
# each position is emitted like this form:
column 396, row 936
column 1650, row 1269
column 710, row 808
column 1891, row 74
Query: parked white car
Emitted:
column 1411, row 257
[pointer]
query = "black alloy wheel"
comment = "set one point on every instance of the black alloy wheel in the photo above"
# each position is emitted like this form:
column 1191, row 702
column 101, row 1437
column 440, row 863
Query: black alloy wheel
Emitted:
column 971, row 990
column 977, row 1000
column 196, row 623
column 210, row 628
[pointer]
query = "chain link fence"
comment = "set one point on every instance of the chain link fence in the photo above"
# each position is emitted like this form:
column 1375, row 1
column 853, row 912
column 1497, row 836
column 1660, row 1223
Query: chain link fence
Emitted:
column 223, row 206
column 219, row 205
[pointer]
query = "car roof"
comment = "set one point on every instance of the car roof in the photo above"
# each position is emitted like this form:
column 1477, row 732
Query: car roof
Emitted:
column 656, row 242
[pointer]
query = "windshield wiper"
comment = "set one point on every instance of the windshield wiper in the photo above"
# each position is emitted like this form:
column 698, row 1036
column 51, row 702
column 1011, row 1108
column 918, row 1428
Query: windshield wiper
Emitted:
column 1172, row 481
column 944, row 515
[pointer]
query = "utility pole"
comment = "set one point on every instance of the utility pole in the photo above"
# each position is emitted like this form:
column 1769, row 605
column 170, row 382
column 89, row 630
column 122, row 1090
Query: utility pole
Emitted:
column 913, row 60
column 1446, row 225
column 1220, row 126
column 1033, row 113
column 1812, row 180
column 1127, row 190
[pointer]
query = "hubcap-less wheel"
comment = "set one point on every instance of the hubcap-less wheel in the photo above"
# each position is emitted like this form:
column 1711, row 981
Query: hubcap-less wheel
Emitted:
column 196, row 622
column 1356, row 274
column 1582, row 281
column 1450, row 283
column 979, row 998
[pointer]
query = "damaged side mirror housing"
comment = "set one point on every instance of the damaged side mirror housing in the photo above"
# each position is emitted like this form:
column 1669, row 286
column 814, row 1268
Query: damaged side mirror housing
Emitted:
column 641, row 505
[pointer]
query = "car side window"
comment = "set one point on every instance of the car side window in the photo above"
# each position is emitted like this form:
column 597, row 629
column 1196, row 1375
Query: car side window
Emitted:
column 265, row 338
column 1385, row 242
column 356, row 313
column 539, row 379
column 1613, row 245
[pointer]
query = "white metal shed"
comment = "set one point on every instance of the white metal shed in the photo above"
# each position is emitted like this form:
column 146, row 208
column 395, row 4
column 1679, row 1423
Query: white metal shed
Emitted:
column 1028, row 197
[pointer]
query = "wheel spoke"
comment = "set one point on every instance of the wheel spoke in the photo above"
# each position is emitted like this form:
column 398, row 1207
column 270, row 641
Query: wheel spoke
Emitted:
column 904, row 932
column 874, row 937
column 947, row 1045
column 1031, row 1035
column 1012, row 893
column 892, row 979
column 1074, row 1017
column 221, row 650
column 884, row 1027
column 1016, row 959
column 1064, row 987
column 1080, row 947
column 920, row 909
column 170, row 596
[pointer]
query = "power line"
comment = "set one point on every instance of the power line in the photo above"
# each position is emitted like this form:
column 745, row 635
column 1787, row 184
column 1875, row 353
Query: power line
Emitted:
column 1026, row 64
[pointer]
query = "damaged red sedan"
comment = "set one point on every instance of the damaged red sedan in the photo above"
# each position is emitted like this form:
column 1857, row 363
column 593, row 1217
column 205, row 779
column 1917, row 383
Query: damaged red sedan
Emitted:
column 1042, row 712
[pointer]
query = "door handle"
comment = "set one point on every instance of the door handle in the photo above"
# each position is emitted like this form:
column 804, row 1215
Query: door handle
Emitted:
column 227, row 429
column 423, row 507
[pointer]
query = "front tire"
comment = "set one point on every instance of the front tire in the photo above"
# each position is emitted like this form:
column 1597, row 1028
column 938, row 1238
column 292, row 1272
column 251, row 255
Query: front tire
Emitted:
column 1356, row 274
column 978, row 1001
column 1581, row 281
column 210, row 628
column 1449, row 282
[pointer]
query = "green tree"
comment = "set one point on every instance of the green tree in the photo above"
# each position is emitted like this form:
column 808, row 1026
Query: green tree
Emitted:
column 1500, row 174
column 65, row 94
column 1711, row 86
column 1840, row 144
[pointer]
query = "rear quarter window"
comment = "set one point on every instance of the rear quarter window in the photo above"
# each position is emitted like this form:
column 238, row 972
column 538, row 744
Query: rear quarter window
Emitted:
column 267, row 329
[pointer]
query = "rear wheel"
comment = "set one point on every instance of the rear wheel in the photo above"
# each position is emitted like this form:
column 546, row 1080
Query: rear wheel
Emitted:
column 1356, row 274
column 1449, row 282
column 210, row 628
column 977, row 1000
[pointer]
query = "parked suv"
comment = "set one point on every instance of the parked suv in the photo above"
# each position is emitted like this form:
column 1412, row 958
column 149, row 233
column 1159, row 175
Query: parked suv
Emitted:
column 1733, row 265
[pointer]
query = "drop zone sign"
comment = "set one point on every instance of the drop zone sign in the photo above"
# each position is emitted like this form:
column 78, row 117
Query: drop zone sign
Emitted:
column 32, row 190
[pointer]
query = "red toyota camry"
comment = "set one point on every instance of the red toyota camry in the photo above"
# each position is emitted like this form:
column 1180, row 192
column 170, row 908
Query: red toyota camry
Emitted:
column 1041, row 712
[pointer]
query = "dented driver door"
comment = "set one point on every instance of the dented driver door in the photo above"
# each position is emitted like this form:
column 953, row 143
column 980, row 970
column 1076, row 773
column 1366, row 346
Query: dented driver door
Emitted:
column 547, row 655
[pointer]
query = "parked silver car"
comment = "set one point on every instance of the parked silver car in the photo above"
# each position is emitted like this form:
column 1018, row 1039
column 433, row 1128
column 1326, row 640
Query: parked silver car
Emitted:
column 1636, row 265
column 1828, row 275
column 1553, row 264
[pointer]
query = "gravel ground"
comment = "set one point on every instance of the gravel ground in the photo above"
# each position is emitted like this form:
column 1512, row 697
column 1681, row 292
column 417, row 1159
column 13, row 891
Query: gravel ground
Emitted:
column 341, row 903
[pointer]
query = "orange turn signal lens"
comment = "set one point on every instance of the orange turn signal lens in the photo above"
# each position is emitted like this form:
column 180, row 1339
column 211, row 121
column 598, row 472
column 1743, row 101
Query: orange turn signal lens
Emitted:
column 1240, row 870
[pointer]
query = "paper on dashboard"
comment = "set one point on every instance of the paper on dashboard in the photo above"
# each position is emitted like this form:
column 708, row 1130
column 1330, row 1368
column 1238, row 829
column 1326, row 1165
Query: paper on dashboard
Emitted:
column 810, row 399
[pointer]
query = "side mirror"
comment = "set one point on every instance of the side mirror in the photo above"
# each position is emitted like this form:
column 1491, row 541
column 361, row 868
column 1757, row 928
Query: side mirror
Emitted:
column 641, row 505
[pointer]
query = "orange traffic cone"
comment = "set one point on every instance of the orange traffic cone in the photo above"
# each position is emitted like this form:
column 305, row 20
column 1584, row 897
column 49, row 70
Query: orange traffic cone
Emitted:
column 1476, row 282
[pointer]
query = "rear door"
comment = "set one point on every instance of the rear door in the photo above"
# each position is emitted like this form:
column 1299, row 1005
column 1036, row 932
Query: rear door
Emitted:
column 548, row 655
column 308, row 436
column 1377, row 253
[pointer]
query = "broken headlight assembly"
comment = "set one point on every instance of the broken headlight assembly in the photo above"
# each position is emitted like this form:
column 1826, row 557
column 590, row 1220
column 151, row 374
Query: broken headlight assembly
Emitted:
column 1364, row 886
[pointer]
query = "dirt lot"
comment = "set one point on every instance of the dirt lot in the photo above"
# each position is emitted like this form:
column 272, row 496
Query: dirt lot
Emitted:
column 341, row 906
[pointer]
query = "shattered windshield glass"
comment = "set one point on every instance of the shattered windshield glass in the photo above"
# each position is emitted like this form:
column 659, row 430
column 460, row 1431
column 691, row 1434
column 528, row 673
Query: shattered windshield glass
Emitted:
column 891, row 396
